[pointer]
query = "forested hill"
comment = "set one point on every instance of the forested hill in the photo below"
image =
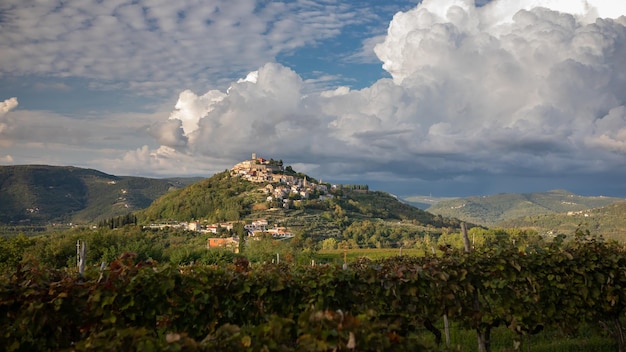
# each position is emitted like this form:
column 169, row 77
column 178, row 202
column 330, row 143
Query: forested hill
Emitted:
column 495, row 209
column 221, row 197
column 608, row 221
column 41, row 194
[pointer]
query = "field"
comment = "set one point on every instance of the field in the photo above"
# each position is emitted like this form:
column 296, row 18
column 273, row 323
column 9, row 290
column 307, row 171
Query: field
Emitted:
column 350, row 255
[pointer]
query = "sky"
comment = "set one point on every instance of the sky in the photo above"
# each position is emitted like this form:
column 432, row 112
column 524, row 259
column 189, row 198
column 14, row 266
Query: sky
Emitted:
column 439, row 97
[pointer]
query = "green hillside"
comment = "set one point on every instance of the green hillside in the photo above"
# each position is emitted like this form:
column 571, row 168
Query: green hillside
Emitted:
column 494, row 209
column 608, row 221
column 227, row 198
column 218, row 198
column 41, row 194
column 367, row 218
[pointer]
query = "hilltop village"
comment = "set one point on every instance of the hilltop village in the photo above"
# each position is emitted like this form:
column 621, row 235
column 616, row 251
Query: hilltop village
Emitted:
column 284, row 187
column 288, row 186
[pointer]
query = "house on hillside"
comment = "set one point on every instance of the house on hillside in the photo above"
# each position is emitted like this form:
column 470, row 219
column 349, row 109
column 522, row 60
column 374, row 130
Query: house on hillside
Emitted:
column 228, row 242
column 258, row 225
column 280, row 233
column 193, row 226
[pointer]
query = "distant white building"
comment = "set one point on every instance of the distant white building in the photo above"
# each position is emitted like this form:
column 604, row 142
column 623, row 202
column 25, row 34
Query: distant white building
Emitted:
column 193, row 226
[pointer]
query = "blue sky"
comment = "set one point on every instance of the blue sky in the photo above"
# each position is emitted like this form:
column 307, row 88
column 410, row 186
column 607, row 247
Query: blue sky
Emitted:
column 444, row 97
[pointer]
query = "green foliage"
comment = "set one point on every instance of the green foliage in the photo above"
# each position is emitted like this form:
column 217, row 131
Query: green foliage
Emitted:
column 329, row 243
column 185, row 256
column 119, row 221
column 216, row 199
column 12, row 249
column 350, row 187
column 379, row 234
column 218, row 257
column 265, row 250
column 240, row 232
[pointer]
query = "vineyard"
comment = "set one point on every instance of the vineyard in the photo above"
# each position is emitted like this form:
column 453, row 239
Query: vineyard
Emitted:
column 378, row 305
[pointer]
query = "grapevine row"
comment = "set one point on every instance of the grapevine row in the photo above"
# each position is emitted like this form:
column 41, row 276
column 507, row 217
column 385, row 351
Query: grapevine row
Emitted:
column 370, row 305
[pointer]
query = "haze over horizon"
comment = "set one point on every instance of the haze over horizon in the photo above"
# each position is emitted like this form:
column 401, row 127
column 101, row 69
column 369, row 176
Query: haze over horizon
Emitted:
column 442, row 97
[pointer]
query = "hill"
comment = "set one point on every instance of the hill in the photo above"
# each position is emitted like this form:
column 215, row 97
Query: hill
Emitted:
column 344, row 212
column 495, row 209
column 41, row 194
column 38, row 195
column 607, row 221
column 215, row 199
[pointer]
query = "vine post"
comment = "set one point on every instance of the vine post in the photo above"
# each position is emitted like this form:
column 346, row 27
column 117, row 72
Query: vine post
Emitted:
column 81, row 249
column 483, row 336
column 466, row 242
column 446, row 328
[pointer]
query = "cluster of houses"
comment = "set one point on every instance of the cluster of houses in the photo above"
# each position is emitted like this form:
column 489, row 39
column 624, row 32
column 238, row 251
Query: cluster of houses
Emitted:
column 260, row 227
column 255, row 230
column 280, row 187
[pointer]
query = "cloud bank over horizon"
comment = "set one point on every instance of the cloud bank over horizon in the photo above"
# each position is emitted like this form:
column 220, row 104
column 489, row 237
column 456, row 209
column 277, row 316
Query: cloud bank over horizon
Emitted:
column 531, row 88
column 485, row 97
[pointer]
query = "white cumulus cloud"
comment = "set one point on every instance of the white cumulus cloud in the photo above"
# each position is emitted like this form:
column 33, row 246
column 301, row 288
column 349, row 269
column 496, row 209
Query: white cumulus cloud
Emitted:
column 8, row 105
column 524, row 87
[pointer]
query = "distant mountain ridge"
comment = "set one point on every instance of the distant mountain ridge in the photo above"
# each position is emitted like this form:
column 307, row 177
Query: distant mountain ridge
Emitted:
column 42, row 194
column 496, row 209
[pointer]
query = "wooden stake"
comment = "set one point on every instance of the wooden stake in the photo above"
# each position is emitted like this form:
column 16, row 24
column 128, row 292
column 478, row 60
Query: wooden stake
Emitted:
column 466, row 241
column 81, row 249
